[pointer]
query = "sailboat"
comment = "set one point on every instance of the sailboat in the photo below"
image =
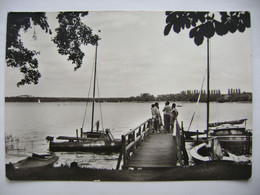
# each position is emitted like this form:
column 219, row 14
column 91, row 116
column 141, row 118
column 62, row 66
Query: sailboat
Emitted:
column 90, row 141
column 220, row 141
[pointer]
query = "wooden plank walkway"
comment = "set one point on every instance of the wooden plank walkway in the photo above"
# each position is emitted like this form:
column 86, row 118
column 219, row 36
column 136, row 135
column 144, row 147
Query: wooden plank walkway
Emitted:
column 158, row 151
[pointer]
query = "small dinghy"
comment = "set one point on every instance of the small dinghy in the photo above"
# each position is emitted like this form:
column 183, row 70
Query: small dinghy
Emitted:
column 210, row 151
column 36, row 161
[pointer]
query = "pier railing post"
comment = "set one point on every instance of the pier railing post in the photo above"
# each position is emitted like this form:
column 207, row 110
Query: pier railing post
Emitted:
column 134, row 140
column 124, row 148
column 197, row 135
column 77, row 134
column 178, row 143
column 149, row 126
column 121, row 153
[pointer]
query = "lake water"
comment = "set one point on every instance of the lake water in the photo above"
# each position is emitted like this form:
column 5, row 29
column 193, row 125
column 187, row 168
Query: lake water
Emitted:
column 32, row 122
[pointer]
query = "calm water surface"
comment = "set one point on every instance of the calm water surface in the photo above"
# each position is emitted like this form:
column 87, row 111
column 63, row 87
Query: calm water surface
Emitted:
column 32, row 122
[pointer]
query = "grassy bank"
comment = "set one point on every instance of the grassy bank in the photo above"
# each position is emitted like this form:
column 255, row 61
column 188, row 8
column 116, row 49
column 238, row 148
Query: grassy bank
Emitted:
column 210, row 171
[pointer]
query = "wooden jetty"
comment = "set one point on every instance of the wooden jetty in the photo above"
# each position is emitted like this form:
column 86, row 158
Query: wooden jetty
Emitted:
column 143, row 149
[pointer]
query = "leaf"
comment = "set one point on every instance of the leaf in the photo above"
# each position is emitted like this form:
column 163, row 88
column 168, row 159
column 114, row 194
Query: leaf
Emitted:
column 168, row 13
column 241, row 27
column 177, row 28
column 232, row 27
column 208, row 29
column 202, row 16
column 198, row 39
column 193, row 32
column 187, row 23
column 193, row 23
column 167, row 29
column 171, row 18
column 246, row 19
column 84, row 14
column 220, row 28
column 224, row 17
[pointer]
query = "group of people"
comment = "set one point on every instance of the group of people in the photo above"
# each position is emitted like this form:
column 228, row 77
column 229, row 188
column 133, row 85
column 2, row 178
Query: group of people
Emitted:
column 170, row 114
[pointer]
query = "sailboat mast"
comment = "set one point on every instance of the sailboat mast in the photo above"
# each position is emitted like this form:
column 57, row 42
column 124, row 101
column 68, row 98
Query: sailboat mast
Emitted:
column 208, row 91
column 94, row 90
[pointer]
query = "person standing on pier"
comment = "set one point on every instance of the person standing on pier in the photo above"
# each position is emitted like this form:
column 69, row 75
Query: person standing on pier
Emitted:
column 167, row 116
column 159, row 116
column 174, row 114
column 156, row 116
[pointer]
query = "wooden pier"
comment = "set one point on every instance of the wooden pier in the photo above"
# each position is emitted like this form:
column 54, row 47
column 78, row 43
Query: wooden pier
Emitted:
column 143, row 149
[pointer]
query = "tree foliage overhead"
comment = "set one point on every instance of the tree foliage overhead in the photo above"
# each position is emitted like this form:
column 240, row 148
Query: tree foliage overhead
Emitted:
column 17, row 56
column 71, row 34
column 206, row 25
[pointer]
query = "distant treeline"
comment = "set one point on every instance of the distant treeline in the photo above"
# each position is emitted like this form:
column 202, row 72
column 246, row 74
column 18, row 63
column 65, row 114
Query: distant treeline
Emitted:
column 61, row 99
column 215, row 96
column 191, row 96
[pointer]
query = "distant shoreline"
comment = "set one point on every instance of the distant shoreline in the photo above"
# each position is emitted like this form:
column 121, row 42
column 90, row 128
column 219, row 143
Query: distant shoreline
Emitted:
column 248, row 98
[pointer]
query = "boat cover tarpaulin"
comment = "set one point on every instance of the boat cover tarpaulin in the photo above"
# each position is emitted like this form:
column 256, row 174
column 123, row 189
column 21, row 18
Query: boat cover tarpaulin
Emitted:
column 234, row 122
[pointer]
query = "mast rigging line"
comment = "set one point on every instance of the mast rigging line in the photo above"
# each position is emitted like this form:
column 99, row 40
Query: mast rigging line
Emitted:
column 100, row 110
column 86, row 107
column 197, row 103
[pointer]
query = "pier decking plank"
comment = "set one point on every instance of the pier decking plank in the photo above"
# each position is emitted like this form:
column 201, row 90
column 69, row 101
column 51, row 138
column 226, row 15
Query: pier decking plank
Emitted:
column 158, row 151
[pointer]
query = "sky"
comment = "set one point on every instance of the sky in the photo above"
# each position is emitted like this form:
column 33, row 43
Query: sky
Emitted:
column 135, row 57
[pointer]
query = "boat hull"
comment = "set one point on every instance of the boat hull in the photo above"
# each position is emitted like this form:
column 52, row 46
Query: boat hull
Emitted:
column 36, row 162
column 84, row 146
column 202, row 154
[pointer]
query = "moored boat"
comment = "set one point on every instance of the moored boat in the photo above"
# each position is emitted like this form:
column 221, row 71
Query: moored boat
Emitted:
column 36, row 161
column 208, row 152
column 232, row 136
column 97, row 142
column 92, row 140
column 212, row 151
